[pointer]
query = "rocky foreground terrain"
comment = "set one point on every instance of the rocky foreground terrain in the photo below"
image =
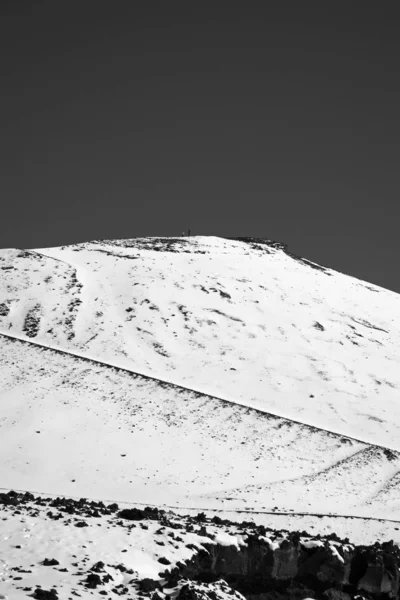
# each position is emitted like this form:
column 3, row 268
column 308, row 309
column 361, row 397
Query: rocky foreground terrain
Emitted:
column 63, row 548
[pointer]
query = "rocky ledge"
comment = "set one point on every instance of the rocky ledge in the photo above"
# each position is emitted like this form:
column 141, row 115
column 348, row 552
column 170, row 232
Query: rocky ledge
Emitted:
column 198, row 557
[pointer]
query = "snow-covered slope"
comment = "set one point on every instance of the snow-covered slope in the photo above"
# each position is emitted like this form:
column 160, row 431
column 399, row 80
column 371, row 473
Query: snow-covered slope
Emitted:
column 237, row 319
column 72, row 427
column 229, row 375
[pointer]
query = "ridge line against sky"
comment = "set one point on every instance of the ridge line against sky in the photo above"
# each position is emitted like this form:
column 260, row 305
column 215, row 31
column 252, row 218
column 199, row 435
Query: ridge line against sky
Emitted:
column 284, row 247
column 277, row 121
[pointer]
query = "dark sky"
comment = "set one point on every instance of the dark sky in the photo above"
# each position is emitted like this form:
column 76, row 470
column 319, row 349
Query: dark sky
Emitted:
column 266, row 119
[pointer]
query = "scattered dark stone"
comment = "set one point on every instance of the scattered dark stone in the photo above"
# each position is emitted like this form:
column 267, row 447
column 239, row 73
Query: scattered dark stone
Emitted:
column 81, row 524
column 164, row 561
column 149, row 585
column 314, row 572
column 187, row 593
column 132, row 514
column 139, row 514
column 10, row 499
column 93, row 580
column 98, row 567
column 200, row 517
column 50, row 562
column 4, row 309
column 40, row 594
column 390, row 455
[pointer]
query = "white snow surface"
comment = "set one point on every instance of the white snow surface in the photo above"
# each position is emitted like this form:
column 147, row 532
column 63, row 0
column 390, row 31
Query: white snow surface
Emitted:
column 252, row 379
column 227, row 318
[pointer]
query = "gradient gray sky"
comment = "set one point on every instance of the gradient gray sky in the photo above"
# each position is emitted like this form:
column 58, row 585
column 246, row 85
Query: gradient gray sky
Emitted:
column 266, row 119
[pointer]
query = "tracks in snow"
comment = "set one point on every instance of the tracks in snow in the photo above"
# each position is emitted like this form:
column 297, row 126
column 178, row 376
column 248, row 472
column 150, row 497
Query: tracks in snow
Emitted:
column 243, row 511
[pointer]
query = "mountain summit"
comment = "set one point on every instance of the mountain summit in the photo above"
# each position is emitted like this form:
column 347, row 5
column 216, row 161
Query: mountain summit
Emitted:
column 202, row 371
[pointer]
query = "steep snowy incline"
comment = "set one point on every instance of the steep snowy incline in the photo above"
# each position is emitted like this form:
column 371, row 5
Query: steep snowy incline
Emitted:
column 68, row 427
column 237, row 319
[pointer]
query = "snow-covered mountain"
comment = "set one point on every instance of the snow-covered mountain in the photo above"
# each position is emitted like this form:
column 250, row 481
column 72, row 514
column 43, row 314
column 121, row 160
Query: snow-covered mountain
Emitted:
column 245, row 321
column 199, row 372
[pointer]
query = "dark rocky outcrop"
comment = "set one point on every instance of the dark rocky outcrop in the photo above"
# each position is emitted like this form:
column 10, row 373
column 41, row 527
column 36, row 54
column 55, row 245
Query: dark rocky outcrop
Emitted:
column 138, row 514
column 98, row 567
column 12, row 498
column 4, row 309
column 50, row 562
column 93, row 580
column 292, row 567
column 231, row 559
column 149, row 585
column 40, row 594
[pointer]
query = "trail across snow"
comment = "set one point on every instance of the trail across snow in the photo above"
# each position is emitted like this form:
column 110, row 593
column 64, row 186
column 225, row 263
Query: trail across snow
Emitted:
column 170, row 383
column 232, row 319
column 200, row 372
column 76, row 428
